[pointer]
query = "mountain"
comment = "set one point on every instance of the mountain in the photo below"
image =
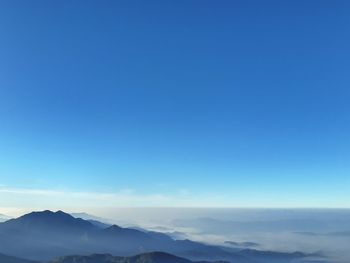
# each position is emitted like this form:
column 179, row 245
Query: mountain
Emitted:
column 99, row 223
column 9, row 259
column 242, row 244
column 345, row 233
column 88, row 217
column 152, row 257
column 4, row 218
column 45, row 223
column 42, row 235
column 95, row 220
column 271, row 256
column 46, row 235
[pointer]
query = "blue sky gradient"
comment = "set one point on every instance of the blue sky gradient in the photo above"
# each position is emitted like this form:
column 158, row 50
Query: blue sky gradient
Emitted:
column 245, row 103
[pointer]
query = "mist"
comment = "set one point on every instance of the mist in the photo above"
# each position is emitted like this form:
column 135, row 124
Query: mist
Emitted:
column 323, row 232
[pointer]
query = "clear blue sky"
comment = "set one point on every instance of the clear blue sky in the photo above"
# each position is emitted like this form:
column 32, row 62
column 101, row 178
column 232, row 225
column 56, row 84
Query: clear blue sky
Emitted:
column 243, row 103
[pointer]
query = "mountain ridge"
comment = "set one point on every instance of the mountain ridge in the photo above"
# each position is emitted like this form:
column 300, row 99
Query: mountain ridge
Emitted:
column 151, row 257
column 45, row 235
column 4, row 218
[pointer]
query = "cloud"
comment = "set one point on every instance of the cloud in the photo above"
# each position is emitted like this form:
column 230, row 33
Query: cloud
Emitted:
column 46, row 198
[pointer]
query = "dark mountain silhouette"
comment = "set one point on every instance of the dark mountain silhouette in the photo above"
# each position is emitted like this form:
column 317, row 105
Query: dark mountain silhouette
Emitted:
column 48, row 220
column 42, row 235
column 9, row 259
column 46, row 235
column 152, row 257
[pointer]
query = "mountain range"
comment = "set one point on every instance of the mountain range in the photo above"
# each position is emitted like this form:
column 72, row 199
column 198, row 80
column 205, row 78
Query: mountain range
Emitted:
column 152, row 257
column 46, row 235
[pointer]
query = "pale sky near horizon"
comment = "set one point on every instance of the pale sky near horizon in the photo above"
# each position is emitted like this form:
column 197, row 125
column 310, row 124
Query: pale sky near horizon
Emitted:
column 174, row 103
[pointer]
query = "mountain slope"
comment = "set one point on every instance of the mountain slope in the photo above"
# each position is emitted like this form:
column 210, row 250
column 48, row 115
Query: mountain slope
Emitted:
column 46, row 235
column 48, row 221
column 4, row 218
column 153, row 257
column 9, row 259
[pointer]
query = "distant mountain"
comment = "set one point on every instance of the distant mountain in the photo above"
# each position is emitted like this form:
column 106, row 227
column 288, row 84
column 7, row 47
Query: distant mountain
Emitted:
column 95, row 220
column 345, row 233
column 215, row 226
column 87, row 216
column 9, row 259
column 99, row 223
column 152, row 257
column 46, row 235
column 242, row 244
column 271, row 256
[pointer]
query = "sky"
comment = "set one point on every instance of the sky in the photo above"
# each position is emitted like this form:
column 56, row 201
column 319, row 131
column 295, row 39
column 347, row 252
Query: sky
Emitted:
column 174, row 103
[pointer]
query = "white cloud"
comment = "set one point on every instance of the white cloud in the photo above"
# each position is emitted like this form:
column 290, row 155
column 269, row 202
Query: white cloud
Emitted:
column 63, row 199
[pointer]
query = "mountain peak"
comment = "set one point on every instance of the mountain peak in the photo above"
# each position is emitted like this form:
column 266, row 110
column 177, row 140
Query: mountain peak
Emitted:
column 47, row 214
column 47, row 220
column 114, row 227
